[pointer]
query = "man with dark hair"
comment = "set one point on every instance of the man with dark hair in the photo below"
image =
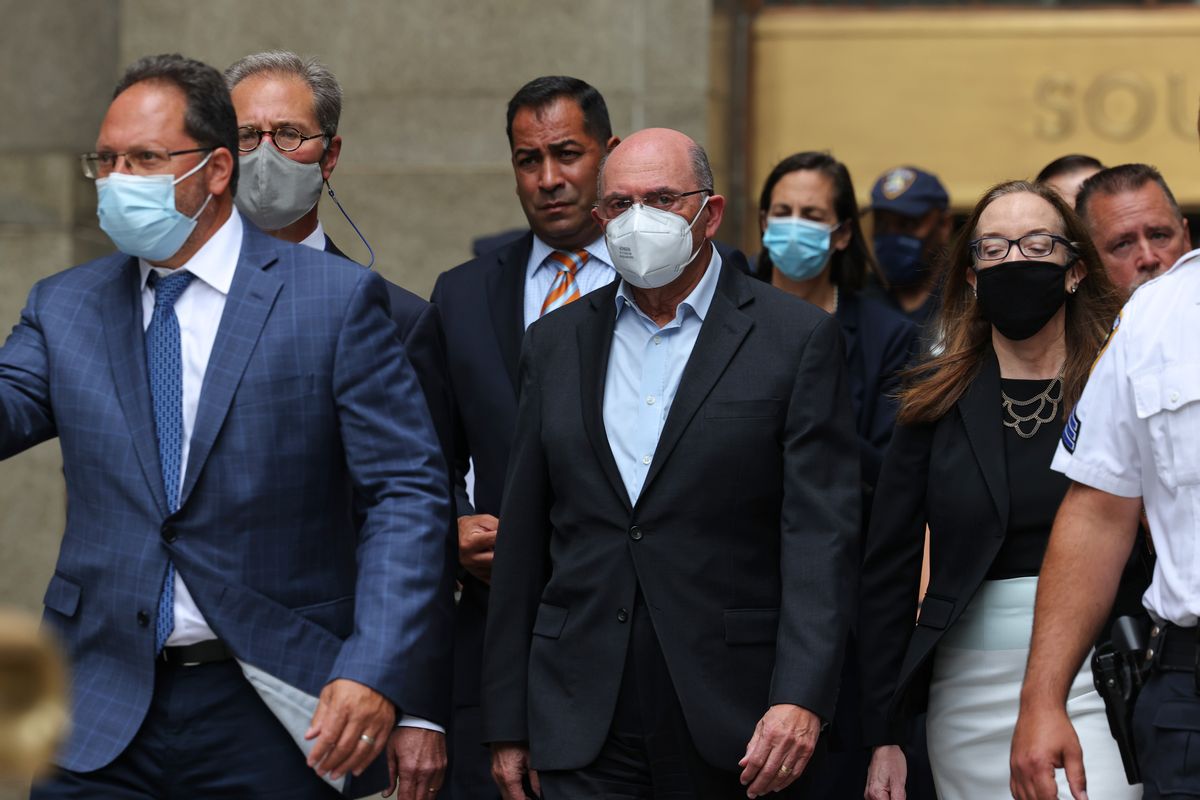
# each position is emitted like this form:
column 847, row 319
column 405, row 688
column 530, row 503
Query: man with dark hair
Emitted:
column 558, row 129
column 680, row 517
column 1067, row 173
column 542, row 92
column 288, row 110
column 257, row 504
column 1134, row 221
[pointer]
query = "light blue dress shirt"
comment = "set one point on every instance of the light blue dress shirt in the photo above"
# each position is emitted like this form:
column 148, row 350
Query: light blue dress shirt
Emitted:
column 645, row 366
column 539, row 276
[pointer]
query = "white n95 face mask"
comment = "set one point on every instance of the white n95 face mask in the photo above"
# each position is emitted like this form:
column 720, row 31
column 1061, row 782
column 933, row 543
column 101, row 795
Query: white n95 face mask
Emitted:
column 650, row 247
column 273, row 190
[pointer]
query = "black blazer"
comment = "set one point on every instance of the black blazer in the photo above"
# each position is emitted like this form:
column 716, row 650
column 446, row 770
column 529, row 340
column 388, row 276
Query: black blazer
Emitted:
column 420, row 329
column 482, row 305
column 951, row 475
column 742, row 542
column 880, row 342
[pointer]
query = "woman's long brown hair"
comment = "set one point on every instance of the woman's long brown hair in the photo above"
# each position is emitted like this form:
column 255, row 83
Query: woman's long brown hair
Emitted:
column 932, row 388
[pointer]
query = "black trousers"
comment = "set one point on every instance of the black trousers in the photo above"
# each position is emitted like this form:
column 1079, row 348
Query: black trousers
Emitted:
column 648, row 754
column 207, row 735
column 469, row 776
column 1166, row 728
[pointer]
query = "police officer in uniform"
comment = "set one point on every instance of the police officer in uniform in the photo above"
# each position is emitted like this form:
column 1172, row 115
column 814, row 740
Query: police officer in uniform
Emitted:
column 1134, row 438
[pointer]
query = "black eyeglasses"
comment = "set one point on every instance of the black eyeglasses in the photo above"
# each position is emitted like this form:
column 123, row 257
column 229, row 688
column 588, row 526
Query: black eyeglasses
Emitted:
column 141, row 162
column 615, row 206
column 285, row 138
column 1031, row 245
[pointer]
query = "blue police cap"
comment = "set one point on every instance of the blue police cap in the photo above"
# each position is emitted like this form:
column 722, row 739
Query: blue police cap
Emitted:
column 908, row 191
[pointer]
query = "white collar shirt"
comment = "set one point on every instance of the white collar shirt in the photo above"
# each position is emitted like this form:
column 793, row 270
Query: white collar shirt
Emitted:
column 1136, row 430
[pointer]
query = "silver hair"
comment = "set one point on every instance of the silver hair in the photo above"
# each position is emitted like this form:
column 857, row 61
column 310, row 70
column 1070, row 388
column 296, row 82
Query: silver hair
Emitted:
column 701, row 169
column 327, row 92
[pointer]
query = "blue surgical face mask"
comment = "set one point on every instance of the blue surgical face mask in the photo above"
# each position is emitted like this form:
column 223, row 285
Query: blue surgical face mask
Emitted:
column 138, row 213
column 799, row 247
column 901, row 257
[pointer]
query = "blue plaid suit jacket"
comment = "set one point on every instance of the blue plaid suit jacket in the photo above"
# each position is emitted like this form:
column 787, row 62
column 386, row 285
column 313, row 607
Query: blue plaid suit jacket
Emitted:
column 308, row 406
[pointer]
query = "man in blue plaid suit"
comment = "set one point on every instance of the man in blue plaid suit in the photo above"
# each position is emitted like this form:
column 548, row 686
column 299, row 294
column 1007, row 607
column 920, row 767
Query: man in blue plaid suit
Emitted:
column 257, row 503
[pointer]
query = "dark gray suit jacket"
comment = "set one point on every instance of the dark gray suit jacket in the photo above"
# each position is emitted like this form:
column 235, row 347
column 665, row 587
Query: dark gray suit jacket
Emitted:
column 744, row 540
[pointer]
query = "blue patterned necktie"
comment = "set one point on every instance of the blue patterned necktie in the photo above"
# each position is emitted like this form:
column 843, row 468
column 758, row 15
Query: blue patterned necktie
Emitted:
column 165, row 367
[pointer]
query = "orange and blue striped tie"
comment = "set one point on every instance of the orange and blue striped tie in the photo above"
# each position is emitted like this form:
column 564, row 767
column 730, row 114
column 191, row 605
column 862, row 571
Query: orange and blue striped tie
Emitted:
column 564, row 289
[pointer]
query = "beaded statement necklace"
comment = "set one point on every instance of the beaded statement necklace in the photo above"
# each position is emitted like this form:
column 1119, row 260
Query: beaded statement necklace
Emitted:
column 1039, row 409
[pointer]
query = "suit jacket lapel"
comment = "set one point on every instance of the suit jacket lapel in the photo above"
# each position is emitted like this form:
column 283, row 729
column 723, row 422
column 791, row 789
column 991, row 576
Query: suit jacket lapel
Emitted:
column 505, row 293
column 123, row 331
column 595, row 344
column 980, row 410
column 720, row 337
column 251, row 297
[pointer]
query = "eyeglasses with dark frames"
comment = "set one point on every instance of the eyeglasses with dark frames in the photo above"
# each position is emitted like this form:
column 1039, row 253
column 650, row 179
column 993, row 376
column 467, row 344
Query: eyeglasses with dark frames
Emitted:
column 1031, row 245
column 285, row 138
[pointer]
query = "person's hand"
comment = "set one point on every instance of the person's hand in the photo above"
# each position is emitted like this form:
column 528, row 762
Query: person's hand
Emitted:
column 783, row 742
column 510, row 763
column 887, row 774
column 416, row 763
column 1043, row 741
column 477, row 543
column 350, row 726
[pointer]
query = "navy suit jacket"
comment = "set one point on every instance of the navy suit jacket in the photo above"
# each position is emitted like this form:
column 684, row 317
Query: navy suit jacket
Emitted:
column 420, row 328
column 309, row 412
column 482, row 304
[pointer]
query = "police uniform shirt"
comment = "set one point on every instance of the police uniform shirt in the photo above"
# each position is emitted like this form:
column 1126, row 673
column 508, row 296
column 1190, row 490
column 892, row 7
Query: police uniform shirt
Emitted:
column 1136, row 429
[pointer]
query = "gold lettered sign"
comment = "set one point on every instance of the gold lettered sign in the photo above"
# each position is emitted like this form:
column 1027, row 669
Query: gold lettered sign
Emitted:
column 978, row 96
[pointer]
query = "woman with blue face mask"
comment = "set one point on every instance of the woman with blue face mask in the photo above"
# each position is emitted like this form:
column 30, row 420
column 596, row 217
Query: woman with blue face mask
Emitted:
column 814, row 248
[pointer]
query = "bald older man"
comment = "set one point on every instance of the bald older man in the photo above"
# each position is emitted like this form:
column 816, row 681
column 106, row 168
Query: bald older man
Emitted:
column 670, row 586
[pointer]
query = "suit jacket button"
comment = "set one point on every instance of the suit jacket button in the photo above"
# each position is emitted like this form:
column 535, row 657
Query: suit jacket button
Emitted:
column 622, row 615
column 168, row 533
column 635, row 533
column 143, row 618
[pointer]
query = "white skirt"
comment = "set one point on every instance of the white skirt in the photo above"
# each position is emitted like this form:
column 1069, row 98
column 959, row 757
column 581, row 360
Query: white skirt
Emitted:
column 974, row 697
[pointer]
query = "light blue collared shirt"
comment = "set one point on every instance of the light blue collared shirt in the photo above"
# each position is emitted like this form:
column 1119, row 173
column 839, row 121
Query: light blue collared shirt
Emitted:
column 645, row 366
column 597, row 271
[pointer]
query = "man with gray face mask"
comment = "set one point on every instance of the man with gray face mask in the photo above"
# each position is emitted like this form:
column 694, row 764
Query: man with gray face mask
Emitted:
column 287, row 112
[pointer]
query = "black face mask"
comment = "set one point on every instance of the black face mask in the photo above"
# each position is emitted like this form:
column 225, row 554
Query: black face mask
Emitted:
column 1020, row 297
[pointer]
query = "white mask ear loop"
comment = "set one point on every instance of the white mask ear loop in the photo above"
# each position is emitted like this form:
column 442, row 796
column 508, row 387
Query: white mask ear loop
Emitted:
column 189, row 174
column 193, row 170
column 693, row 222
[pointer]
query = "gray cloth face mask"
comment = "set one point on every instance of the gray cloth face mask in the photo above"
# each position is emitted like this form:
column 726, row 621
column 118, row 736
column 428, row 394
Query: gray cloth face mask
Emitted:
column 273, row 190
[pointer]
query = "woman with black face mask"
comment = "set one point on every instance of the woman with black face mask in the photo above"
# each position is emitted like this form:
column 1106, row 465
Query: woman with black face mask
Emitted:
column 1025, row 308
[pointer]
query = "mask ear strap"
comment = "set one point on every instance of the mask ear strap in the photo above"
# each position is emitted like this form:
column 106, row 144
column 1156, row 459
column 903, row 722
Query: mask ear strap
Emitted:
column 193, row 170
column 329, row 188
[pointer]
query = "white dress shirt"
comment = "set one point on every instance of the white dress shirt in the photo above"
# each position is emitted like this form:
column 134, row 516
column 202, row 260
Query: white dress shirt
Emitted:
column 1136, row 430
column 316, row 239
column 539, row 276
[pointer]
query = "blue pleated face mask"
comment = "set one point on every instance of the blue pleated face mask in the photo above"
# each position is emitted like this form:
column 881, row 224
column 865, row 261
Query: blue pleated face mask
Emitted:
column 138, row 213
column 799, row 247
